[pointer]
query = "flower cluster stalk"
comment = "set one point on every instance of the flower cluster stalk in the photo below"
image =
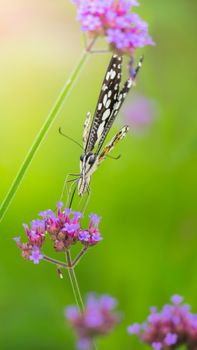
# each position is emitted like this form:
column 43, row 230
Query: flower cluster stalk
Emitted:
column 75, row 286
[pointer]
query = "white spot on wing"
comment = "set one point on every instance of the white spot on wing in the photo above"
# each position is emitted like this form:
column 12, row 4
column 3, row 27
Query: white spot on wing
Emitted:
column 113, row 74
column 130, row 83
column 109, row 93
column 105, row 99
column 108, row 103
column 100, row 129
column 106, row 114
column 107, row 75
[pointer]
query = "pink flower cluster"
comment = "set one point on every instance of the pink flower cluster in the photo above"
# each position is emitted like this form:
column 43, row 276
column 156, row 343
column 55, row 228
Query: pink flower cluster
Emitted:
column 64, row 229
column 124, row 30
column 98, row 318
column 170, row 328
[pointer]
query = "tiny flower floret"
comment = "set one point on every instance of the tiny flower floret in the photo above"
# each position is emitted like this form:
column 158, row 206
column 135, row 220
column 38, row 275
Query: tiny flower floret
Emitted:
column 170, row 339
column 124, row 30
column 35, row 256
column 98, row 318
column 170, row 328
column 84, row 236
column 107, row 302
column 71, row 313
column 157, row 345
column 95, row 219
column 176, row 299
column 134, row 329
column 64, row 228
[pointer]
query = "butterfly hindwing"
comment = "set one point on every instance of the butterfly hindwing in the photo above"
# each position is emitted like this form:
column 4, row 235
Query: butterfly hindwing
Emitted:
column 118, row 137
column 86, row 130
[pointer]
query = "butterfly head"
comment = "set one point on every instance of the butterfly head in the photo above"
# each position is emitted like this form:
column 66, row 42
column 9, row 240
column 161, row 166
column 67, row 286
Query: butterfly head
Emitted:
column 87, row 161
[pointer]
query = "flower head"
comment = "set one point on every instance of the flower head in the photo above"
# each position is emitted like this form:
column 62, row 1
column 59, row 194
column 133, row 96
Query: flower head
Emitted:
column 64, row 228
column 98, row 318
column 172, row 327
column 124, row 30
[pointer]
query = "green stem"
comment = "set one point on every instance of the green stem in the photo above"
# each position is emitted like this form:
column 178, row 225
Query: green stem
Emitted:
column 41, row 134
column 54, row 261
column 75, row 288
column 74, row 283
column 79, row 256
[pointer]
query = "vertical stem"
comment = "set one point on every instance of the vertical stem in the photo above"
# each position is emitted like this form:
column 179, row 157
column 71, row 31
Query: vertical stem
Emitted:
column 74, row 283
column 40, row 136
column 75, row 288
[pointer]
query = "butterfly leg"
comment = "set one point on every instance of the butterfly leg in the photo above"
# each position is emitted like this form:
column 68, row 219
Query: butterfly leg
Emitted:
column 88, row 193
column 70, row 199
column 66, row 182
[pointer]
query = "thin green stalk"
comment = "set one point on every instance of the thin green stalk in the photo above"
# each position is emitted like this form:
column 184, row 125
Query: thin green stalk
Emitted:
column 75, row 288
column 55, row 262
column 74, row 283
column 79, row 256
column 41, row 134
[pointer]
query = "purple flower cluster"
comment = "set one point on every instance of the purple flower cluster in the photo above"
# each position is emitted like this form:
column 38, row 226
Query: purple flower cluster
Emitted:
column 124, row 30
column 170, row 328
column 64, row 229
column 98, row 318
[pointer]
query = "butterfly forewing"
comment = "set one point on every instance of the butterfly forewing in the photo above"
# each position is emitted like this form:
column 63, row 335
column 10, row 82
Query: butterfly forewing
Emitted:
column 107, row 100
column 116, row 107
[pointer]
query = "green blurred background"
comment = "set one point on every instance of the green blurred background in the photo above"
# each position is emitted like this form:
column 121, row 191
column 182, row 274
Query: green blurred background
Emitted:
column 147, row 199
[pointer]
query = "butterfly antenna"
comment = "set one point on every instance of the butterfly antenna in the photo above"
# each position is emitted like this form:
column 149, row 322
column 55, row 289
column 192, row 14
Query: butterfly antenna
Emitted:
column 69, row 138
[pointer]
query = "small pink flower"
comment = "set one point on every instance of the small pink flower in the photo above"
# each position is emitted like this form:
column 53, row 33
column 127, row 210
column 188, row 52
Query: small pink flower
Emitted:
column 170, row 328
column 64, row 228
column 99, row 318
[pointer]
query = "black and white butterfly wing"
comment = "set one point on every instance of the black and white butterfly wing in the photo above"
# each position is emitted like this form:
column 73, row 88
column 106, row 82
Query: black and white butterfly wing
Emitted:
column 105, row 106
column 116, row 107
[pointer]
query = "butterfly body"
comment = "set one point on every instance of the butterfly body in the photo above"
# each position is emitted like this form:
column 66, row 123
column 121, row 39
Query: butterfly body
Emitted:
column 88, row 165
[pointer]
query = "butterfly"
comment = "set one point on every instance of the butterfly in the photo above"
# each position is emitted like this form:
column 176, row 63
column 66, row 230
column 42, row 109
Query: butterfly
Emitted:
column 97, row 128
column 109, row 103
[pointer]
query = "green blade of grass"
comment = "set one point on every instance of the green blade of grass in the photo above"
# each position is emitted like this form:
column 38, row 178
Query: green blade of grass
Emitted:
column 40, row 136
